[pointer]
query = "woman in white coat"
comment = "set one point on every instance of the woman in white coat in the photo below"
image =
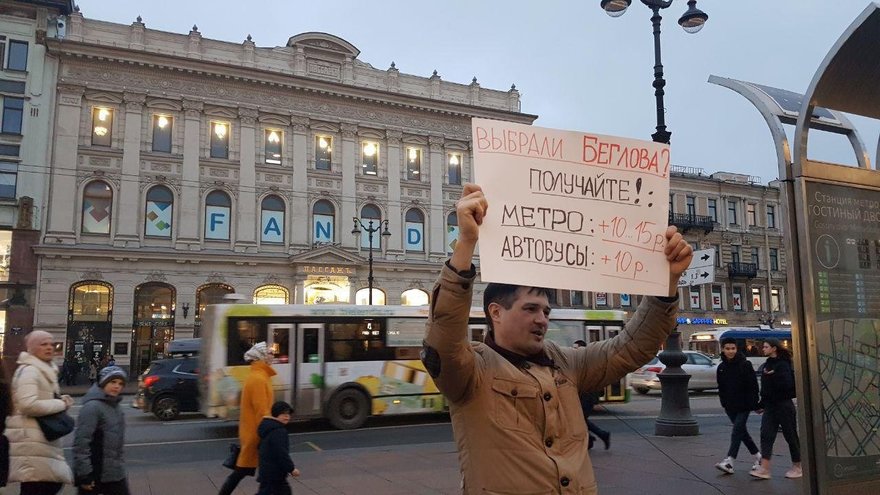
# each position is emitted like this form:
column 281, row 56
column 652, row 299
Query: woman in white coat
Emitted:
column 34, row 461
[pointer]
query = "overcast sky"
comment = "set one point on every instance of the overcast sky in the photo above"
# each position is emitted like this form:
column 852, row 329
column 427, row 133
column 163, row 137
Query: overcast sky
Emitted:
column 576, row 67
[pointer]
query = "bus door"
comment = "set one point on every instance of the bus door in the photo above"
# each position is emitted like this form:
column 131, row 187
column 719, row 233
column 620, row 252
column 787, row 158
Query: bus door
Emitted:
column 309, row 379
column 477, row 332
column 282, row 345
column 616, row 392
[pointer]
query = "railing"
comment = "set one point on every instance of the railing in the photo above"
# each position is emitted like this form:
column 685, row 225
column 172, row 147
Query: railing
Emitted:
column 683, row 170
column 748, row 270
column 685, row 221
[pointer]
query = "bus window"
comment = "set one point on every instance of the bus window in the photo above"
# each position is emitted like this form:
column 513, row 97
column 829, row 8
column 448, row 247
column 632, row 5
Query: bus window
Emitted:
column 310, row 346
column 243, row 334
column 280, row 345
column 594, row 334
column 360, row 341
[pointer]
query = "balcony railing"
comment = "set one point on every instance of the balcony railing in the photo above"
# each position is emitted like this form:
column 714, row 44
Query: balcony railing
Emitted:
column 747, row 270
column 685, row 221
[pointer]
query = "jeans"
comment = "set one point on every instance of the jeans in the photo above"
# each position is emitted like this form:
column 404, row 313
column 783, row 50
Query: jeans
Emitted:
column 276, row 488
column 780, row 415
column 234, row 479
column 740, row 433
column 108, row 488
column 40, row 488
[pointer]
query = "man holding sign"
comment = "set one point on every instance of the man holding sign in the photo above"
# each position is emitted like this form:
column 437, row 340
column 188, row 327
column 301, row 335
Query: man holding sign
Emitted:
column 514, row 398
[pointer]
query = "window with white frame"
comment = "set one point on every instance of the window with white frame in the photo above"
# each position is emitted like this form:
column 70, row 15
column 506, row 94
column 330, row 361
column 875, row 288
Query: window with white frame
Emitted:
column 102, row 126
column 323, row 152
column 453, row 162
column 16, row 54
column 8, row 179
column 413, row 164
column 370, row 158
column 274, row 140
column 219, row 140
column 13, row 115
column 162, row 133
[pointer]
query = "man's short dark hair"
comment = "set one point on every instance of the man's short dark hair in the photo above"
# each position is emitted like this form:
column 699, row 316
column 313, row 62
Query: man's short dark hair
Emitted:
column 580, row 343
column 280, row 408
column 505, row 295
column 728, row 340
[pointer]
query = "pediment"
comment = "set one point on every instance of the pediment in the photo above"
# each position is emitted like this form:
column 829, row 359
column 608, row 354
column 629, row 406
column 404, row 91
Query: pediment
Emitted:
column 324, row 42
column 327, row 255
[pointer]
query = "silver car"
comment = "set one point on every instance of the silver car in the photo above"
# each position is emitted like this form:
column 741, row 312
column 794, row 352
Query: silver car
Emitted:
column 700, row 366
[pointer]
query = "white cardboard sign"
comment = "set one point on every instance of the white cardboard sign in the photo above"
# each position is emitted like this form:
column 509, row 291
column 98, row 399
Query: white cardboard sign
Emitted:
column 572, row 210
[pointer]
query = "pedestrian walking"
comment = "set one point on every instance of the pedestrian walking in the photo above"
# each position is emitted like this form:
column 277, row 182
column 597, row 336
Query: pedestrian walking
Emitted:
column 93, row 372
column 514, row 397
column 777, row 407
column 275, row 462
column 256, row 402
column 5, row 410
column 588, row 402
column 37, row 463
column 738, row 392
column 98, row 461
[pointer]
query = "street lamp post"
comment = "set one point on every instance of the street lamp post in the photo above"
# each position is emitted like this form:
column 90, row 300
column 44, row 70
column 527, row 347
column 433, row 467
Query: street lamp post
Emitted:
column 675, row 417
column 358, row 225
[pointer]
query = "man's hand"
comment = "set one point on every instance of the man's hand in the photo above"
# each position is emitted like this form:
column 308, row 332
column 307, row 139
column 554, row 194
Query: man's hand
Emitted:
column 679, row 253
column 471, row 210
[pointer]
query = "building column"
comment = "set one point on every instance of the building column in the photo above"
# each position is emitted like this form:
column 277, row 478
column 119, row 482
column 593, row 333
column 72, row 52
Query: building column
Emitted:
column 436, row 221
column 63, row 189
column 188, row 235
column 247, row 218
column 395, row 217
column 300, row 216
column 350, row 167
column 127, row 227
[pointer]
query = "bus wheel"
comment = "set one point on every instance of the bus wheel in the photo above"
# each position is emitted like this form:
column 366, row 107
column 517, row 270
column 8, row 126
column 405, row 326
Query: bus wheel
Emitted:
column 348, row 409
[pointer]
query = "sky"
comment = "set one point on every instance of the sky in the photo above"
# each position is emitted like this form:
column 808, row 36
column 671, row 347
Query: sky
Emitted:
column 575, row 67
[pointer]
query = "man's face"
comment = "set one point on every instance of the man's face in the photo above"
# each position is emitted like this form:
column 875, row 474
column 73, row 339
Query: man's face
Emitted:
column 114, row 387
column 43, row 349
column 521, row 328
column 729, row 351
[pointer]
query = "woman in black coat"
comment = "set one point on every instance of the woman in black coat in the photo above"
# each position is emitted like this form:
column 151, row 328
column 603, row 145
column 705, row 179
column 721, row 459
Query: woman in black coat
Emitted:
column 738, row 391
column 777, row 392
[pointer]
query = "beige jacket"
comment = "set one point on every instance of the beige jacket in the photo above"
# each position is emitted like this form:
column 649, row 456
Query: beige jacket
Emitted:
column 31, row 456
column 520, row 430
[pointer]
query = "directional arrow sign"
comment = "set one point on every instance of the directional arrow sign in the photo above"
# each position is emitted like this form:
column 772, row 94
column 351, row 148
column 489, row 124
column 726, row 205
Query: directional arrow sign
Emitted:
column 701, row 270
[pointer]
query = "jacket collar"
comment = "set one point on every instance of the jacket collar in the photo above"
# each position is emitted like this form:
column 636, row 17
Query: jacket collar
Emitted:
column 264, row 367
column 518, row 360
column 49, row 370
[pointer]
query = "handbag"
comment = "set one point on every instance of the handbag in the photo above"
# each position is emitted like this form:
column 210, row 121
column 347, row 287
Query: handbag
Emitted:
column 232, row 456
column 56, row 425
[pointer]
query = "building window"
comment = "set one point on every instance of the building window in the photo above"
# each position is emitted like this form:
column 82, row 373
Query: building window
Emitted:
column 413, row 163
column 8, row 179
column 159, row 213
column 671, row 203
column 219, row 140
column 451, row 231
column 453, row 168
column 272, row 220
column 414, row 297
column 217, row 216
column 731, row 212
column 774, row 259
column 90, row 301
column 210, row 294
column 771, row 216
column 756, row 257
column 717, row 255
column 5, row 256
column 273, row 146
column 323, row 152
column 717, row 297
column 696, row 299
column 713, row 210
column 18, row 55
column 737, row 298
column 774, row 300
column 362, row 297
column 734, row 253
column 370, row 158
column 13, row 112
column 323, row 215
column 751, row 215
column 102, row 126
column 691, row 203
column 415, row 230
column 577, row 298
column 371, row 217
column 96, row 208
column 162, row 133
column 756, row 299
column 271, row 294
column 2, row 51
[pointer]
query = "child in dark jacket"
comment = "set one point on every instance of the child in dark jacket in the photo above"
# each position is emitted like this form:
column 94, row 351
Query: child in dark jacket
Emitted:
column 275, row 461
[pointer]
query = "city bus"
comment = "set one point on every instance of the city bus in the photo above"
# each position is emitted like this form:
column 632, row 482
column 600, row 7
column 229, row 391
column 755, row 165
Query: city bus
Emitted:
column 348, row 362
column 748, row 340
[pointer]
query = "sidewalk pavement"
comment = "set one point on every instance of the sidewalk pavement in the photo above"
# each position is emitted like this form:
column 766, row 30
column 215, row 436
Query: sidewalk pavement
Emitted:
column 637, row 463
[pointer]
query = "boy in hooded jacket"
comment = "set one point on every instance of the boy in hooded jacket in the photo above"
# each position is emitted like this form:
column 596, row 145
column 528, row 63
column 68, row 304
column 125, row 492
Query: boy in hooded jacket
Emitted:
column 274, row 452
column 738, row 391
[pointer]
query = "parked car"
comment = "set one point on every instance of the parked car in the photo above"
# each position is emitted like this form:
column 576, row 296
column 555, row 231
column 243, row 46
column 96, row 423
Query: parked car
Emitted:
column 700, row 366
column 168, row 387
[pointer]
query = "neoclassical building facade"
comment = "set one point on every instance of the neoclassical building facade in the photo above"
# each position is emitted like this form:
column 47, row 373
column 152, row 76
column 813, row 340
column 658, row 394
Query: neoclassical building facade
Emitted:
column 185, row 169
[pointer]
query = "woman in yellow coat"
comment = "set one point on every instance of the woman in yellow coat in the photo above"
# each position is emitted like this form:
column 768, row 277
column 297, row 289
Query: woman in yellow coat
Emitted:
column 256, row 402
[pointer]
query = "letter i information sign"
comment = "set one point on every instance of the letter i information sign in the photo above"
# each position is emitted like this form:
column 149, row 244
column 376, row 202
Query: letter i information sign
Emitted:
column 572, row 210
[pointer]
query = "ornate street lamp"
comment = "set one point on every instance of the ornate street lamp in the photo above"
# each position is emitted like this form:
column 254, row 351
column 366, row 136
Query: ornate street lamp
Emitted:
column 675, row 417
column 358, row 225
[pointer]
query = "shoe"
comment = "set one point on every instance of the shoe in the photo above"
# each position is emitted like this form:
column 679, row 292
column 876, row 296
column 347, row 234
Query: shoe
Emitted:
column 760, row 473
column 794, row 472
column 592, row 441
column 606, row 439
column 726, row 465
column 757, row 464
